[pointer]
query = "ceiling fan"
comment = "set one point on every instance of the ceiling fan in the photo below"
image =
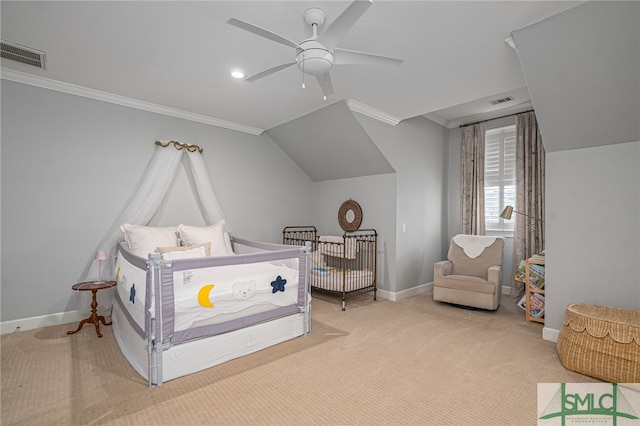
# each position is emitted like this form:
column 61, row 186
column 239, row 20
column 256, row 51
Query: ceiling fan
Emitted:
column 318, row 54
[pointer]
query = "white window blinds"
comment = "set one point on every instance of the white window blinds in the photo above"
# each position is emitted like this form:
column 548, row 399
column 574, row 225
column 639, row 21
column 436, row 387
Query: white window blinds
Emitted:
column 499, row 176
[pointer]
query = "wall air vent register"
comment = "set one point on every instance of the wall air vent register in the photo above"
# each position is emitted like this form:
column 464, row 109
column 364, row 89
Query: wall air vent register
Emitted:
column 25, row 55
column 501, row 100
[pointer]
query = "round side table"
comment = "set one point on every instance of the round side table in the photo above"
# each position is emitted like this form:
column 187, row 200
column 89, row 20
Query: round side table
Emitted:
column 94, row 286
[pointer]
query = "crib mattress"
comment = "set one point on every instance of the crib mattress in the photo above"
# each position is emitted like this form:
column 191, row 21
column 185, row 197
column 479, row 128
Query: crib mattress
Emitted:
column 331, row 279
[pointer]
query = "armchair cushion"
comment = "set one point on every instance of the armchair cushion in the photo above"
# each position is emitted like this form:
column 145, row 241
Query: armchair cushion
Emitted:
column 467, row 283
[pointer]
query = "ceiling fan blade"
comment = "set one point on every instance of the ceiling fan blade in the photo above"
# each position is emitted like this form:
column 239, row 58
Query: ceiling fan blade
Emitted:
column 324, row 80
column 343, row 23
column 268, row 72
column 261, row 32
column 345, row 57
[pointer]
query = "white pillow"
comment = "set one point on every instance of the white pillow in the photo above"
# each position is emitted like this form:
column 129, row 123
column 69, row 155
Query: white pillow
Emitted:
column 196, row 251
column 143, row 240
column 214, row 234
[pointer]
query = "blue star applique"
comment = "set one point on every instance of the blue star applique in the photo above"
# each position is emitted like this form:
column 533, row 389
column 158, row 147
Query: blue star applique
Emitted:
column 278, row 284
column 132, row 294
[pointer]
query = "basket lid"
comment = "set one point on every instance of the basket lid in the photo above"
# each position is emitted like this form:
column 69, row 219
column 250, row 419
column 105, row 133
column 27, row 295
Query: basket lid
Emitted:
column 623, row 325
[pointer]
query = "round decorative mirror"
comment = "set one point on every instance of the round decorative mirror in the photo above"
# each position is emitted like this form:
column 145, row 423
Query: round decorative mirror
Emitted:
column 350, row 216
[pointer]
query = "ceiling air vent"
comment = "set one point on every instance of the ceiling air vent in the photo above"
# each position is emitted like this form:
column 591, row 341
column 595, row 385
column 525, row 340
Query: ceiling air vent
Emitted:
column 26, row 55
column 501, row 101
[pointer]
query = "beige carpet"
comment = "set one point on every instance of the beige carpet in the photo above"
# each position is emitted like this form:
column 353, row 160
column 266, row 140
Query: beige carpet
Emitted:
column 408, row 362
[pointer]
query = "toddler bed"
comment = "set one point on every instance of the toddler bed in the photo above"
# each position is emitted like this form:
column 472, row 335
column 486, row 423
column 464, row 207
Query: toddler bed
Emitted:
column 344, row 265
column 188, row 307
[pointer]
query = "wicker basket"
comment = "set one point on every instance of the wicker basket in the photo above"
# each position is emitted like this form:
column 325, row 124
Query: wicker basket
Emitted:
column 601, row 342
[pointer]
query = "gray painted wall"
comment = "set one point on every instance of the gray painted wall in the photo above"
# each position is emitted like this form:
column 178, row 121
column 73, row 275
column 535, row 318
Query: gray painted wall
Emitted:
column 416, row 150
column 412, row 196
column 69, row 164
column 377, row 198
column 592, row 229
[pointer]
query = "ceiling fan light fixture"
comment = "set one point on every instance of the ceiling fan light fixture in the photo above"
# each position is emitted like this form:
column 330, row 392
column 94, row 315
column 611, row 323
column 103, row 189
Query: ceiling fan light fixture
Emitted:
column 315, row 66
column 237, row 74
column 313, row 58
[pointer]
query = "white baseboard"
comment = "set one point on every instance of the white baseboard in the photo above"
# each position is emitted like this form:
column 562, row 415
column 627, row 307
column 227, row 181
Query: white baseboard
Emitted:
column 32, row 323
column 550, row 334
column 399, row 295
column 422, row 288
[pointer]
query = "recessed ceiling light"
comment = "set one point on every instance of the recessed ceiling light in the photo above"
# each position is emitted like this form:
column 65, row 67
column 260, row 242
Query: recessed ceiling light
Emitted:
column 237, row 74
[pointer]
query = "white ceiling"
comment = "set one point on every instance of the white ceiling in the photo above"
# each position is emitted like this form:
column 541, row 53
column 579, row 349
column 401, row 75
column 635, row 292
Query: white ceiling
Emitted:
column 178, row 55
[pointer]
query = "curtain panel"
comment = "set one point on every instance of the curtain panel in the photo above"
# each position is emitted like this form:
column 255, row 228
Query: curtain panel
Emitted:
column 530, row 192
column 472, row 180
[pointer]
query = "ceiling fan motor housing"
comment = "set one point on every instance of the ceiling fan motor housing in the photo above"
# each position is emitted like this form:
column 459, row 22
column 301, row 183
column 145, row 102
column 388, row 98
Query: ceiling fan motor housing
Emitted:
column 314, row 16
column 313, row 58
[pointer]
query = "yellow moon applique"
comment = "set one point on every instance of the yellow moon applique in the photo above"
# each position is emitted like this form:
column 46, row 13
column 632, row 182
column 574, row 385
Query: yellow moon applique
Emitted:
column 203, row 296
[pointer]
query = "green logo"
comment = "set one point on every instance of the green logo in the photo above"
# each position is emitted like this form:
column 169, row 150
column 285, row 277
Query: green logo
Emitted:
column 611, row 403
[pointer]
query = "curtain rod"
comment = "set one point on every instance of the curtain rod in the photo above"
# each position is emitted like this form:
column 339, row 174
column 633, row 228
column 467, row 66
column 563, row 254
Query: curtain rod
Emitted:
column 497, row 118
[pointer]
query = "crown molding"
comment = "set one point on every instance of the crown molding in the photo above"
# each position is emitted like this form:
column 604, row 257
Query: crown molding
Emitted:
column 376, row 114
column 514, row 109
column 72, row 89
column 436, row 119
column 485, row 116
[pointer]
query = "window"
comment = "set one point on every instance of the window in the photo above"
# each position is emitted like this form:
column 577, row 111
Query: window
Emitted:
column 499, row 176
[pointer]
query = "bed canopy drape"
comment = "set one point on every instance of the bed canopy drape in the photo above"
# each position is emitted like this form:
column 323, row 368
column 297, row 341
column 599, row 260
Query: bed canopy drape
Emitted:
column 149, row 195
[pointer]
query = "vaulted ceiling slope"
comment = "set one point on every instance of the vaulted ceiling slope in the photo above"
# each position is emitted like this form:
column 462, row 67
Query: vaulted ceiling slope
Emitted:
column 177, row 55
column 583, row 72
column 331, row 144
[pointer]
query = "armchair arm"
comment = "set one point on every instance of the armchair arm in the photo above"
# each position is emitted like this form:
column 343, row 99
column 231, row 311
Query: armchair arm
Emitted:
column 494, row 275
column 442, row 268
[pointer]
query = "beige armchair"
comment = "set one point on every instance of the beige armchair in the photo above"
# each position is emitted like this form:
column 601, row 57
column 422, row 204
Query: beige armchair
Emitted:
column 472, row 273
